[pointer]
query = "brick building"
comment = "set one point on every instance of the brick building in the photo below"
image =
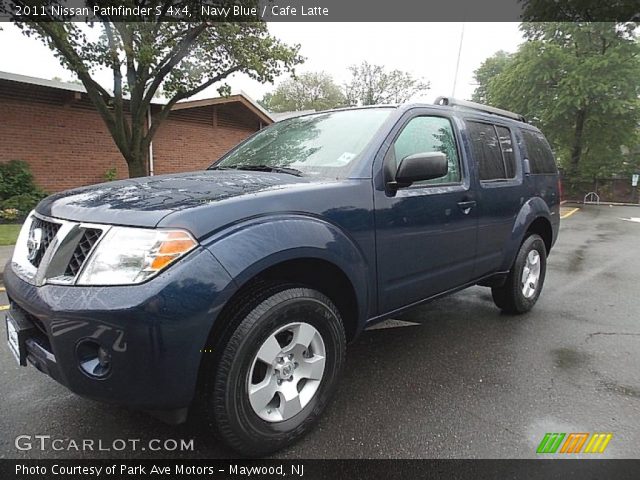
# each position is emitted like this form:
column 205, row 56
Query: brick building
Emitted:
column 55, row 128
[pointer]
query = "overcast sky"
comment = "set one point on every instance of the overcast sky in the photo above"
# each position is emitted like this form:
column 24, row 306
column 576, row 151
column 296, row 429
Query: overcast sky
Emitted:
column 427, row 50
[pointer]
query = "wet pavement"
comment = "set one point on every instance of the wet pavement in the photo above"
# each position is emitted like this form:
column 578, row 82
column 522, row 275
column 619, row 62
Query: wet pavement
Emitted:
column 465, row 382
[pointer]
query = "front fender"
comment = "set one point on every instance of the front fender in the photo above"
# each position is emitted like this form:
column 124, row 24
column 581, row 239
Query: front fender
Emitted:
column 248, row 248
column 534, row 208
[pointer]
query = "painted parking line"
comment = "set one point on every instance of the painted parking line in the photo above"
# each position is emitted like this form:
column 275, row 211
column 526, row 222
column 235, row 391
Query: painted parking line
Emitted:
column 392, row 323
column 4, row 307
column 569, row 213
column 2, row 289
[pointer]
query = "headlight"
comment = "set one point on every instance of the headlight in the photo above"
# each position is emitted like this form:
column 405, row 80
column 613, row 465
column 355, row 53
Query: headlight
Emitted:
column 131, row 255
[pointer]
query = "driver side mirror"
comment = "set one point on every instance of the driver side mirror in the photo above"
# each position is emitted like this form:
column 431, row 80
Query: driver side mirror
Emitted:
column 419, row 167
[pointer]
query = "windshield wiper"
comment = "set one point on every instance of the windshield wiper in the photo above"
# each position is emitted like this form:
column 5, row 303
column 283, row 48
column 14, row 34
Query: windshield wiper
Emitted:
column 267, row 168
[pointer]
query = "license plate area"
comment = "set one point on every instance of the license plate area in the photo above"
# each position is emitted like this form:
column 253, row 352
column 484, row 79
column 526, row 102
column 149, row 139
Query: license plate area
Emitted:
column 17, row 335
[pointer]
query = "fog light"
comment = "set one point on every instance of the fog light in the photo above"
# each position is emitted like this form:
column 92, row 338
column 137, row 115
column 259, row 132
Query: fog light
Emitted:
column 94, row 359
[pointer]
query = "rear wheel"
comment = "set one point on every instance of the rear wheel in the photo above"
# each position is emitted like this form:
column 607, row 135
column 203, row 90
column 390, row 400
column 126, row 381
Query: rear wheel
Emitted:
column 277, row 370
column 524, row 283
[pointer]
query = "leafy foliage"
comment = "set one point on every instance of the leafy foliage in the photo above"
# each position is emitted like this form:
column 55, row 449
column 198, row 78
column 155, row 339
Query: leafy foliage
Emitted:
column 309, row 91
column 17, row 189
column 374, row 85
column 16, row 179
column 111, row 174
column 579, row 83
column 181, row 58
column 489, row 69
column 579, row 10
column 9, row 214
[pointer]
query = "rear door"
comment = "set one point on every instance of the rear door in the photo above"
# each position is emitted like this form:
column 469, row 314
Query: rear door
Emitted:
column 425, row 233
column 500, row 189
column 543, row 177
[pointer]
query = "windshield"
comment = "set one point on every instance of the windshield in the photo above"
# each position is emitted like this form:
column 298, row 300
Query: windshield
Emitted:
column 325, row 144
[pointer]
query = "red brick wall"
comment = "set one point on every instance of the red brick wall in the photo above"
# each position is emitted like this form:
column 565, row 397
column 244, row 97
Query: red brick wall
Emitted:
column 188, row 140
column 67, row 144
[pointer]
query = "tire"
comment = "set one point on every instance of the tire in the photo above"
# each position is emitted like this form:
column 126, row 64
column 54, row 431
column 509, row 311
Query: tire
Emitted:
column 516, row 296
column 238, row 383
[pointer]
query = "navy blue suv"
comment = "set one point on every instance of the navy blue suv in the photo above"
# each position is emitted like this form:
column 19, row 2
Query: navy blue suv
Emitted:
column 241, row 285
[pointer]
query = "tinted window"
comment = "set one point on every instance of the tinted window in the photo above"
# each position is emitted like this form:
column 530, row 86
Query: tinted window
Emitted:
column 504, row 135
column 487, row 150
column 539, row 153
column 430, row 134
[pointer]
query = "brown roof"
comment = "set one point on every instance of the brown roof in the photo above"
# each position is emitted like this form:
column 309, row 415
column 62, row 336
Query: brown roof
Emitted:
column 241, row 97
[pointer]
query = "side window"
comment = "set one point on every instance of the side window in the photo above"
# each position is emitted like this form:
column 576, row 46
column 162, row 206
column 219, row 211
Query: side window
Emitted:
column 539, row 153
column 430, row 134
column 486, row 147
column 504, row 135
column 493, row 149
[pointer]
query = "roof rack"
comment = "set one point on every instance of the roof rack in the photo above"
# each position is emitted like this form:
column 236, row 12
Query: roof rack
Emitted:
column 453, row 102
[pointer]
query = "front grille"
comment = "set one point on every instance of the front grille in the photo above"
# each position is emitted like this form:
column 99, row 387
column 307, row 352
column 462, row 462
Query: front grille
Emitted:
column 55, row 250
column 48, row 232
column 80, row 254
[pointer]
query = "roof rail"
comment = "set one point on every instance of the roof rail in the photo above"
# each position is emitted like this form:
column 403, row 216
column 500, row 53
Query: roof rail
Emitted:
column 453, row 102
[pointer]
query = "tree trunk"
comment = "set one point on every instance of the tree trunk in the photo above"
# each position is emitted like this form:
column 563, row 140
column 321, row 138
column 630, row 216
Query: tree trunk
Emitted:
column 137, row 164
column 138, row 149
column 576, row 149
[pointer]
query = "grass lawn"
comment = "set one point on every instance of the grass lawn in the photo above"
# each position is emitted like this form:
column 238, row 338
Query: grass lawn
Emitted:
column 9, row 234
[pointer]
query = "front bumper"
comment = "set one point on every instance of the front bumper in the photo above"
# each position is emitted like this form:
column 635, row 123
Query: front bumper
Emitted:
column 154, row 332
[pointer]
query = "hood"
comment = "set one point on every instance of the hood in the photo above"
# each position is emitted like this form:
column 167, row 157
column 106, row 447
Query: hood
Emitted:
column 145, row 201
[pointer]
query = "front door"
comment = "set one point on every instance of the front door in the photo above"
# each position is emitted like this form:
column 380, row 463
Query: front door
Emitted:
column 425, row 233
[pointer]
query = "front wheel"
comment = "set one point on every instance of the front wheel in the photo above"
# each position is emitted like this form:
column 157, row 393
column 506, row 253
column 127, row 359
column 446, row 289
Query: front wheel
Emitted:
column 524, row 283
column 277, row 370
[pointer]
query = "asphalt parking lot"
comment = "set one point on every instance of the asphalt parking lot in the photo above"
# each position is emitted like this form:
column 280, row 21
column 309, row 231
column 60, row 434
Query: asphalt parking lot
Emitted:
column 465, row 382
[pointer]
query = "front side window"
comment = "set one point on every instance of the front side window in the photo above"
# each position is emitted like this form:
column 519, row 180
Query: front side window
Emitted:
column 426, row 135
column 493, row 149
column 325, row 144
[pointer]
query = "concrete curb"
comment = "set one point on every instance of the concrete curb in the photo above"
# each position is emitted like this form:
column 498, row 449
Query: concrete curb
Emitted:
column 615, row 204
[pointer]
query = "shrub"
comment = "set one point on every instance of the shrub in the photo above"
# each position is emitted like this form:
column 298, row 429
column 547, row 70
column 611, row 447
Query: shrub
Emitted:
column 17, row 189
column 24, row 203
column 111, row 174
column 16, row 179
column 9, row 214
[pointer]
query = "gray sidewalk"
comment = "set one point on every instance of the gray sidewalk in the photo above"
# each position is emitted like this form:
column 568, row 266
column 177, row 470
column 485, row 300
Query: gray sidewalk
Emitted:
column 5, row 255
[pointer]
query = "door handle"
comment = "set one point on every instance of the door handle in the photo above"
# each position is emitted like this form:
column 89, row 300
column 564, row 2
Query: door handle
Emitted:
column 466, row 206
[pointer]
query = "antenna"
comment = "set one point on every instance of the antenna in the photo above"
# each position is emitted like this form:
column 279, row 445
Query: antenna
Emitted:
column 455, row 77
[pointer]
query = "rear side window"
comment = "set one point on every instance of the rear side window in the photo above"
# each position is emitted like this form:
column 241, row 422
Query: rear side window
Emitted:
column 539, row 153
column 493, row 149
column 504, row 135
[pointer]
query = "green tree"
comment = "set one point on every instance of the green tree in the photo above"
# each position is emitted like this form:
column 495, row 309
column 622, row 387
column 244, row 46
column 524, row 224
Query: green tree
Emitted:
column 144, row 56
column 308, row 91
column 579, row 83
column 489, row 69
column 374, row 85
